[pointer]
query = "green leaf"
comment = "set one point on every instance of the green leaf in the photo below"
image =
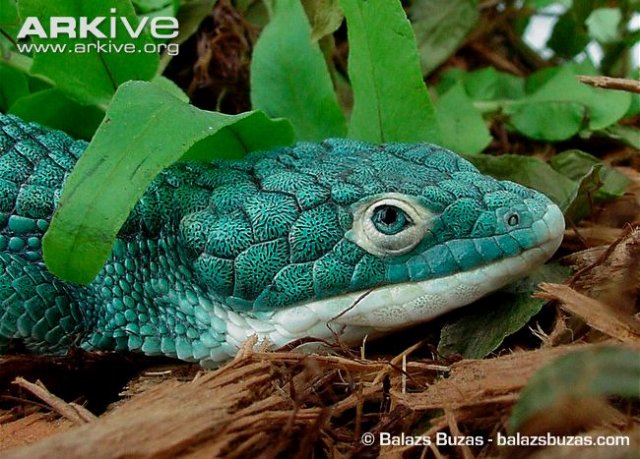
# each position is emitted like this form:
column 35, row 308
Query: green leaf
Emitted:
column 603, row 25
column 146, row 130
column 605, row 371
column 547, row 120
column 325, row 16
column 190, row 16
column 391, row 102
column 254, row 11
column 14, row 86
column 490, row 84
column 584, row 67
column 290, row 79
column 449, row 78
column 575, row 164
column 538, row 4
column 90, row 77
column 151, row 6
column 626, row 134
column 498, row 315
column 441, row 27
column 538, row 79
column 634, row 107
column 560, row 106
column 169, row 86
column 457, row 114
column 569, row 37
column 9, row 18
column 528, row 171
column 605, row 106
column 580, row 204
column 52, row 108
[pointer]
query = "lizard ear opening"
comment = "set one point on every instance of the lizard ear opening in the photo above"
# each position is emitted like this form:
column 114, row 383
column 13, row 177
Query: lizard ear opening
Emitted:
column 389, row 225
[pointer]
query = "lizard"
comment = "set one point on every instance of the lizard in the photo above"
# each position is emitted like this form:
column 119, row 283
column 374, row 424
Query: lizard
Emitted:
column 338, row 239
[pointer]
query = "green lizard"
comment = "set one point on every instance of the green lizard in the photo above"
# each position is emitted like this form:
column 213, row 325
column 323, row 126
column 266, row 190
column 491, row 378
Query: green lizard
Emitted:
column 332, row 240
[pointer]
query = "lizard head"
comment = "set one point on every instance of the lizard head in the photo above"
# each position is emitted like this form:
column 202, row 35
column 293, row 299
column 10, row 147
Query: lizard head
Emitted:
column 351, row 238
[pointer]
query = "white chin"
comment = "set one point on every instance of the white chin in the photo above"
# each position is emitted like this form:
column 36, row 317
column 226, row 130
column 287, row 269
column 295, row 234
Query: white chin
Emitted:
column 402, row 305
column 352, row 316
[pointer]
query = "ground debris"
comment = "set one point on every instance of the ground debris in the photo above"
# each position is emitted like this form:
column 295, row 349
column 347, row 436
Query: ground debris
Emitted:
column 302, row 404
column 596, row 314
column 29, row 429
column 75, row 413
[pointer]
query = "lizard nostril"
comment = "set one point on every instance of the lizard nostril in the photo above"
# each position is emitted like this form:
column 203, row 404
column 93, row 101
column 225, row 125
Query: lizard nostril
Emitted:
column 513, row 220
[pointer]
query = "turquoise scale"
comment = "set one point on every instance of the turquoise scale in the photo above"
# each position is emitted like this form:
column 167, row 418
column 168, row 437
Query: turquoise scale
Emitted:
column 250, row 236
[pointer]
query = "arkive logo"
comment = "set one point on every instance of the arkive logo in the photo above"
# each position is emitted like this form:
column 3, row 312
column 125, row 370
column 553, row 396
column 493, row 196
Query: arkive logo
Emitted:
column 160, row 27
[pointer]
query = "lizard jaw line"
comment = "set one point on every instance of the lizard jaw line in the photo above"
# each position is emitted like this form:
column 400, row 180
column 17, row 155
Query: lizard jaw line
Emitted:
column 353, row 316
column 401, row 305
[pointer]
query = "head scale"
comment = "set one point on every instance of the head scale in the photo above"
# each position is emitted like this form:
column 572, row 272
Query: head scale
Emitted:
column 300, row 225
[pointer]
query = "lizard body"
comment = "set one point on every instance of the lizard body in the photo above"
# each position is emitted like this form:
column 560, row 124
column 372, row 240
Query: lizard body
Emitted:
column 334, row 239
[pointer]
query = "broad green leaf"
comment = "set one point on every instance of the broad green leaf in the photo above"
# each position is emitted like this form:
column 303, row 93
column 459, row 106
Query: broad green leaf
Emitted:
column 498, row 315
column 626, row 134
column 581, row 198
column 528, row 171
column 604, row 371
column 603, row 25
column 441, row 27
column 9, row 18
column 391, row 102
column 90, row 77
column 152, row 6
column 544, row 3
column 289, row 76
column 605, row 107
column 254, row 11
column 190, row 15
column 486, row 84
column 149, row 9
column 243, row 5
column 538, row 79
column 634, row 107
column 169, row 86
column 52, row 108
column 575, row 164
column 560, row 106
column 146, row 129
column 490, row 84
column 594, row 181
column 166, row 11
column 457, row 114
column 449, row 78
column 584, row 67
column 13, row 85
column 547, row 119
column 325, row 16
column 569, row 37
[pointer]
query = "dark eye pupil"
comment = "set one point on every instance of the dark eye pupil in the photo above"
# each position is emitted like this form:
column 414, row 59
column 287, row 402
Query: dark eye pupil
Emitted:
column 513, row 220
column 388, row 215
column 389, row 219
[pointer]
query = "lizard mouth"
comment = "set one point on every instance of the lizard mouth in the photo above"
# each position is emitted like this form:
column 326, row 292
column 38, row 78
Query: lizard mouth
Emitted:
column 353, row 315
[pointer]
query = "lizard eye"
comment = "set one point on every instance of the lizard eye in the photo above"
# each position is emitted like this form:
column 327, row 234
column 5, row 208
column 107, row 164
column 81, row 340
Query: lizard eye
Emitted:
column 390, row 220
column 389, row 225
